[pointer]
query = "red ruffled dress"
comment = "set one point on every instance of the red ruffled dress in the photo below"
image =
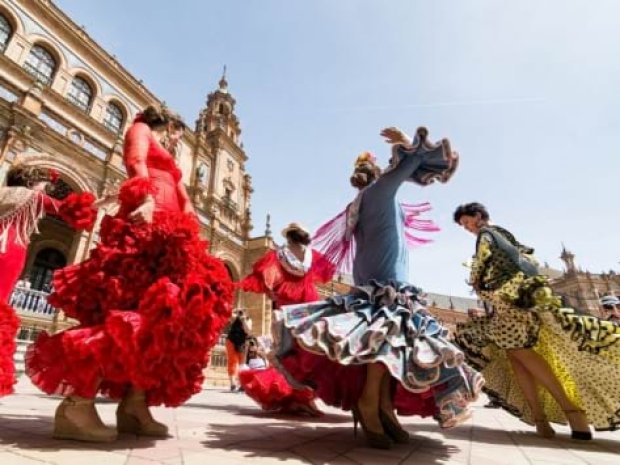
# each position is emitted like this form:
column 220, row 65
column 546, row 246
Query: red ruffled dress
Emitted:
column 150, row 301
column 19, row 221
column 287, row 280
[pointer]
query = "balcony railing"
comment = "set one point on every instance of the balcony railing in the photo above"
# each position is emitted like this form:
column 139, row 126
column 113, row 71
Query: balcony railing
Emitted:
column 38, row 75
column 33, row 303
column 230, row 203
column 85, row 107
column 7, row 94
column 116, row 129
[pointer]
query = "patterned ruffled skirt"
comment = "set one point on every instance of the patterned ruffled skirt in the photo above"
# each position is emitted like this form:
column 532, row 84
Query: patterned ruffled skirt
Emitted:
column 582, row 351
column 326, row 345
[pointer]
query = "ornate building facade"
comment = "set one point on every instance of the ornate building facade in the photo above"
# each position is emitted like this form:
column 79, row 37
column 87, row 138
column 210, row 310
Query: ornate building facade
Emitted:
column 582, row 289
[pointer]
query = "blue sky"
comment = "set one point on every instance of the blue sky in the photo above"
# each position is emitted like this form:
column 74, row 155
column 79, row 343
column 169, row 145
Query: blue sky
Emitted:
column 528, row 93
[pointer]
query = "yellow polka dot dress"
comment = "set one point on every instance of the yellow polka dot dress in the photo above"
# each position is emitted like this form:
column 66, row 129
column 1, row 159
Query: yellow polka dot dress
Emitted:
column 522, row 312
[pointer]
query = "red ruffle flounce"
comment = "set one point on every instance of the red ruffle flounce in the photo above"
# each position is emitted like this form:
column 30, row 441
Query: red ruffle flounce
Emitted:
column 342, row 385
column 9, row 324
column 269, row 277
column 151, row 304
column 270, row 389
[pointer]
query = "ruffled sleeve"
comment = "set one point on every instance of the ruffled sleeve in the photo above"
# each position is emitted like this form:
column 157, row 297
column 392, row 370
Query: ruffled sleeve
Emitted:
column 77, row 210
column 422, row 162
column 136, row 148
column 134, row 191
column 322, row 269
column 265, row 277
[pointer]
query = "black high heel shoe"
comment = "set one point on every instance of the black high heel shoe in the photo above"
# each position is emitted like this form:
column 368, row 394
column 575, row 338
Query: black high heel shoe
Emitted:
column 393, row 429
column 578, row 435
column 374, row 440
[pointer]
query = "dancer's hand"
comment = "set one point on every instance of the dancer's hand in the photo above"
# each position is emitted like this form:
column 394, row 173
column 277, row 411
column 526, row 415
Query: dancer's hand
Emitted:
column 394, row 135
column 144, row 213
column 189, row 209
column 105, row 201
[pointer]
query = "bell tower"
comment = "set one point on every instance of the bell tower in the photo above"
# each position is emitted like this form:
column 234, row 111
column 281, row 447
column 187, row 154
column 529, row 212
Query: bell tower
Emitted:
column 219, row 114
column 220, row 186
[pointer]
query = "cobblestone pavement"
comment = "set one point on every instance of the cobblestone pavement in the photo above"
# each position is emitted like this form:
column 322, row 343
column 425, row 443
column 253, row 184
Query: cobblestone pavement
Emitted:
column 222, row 428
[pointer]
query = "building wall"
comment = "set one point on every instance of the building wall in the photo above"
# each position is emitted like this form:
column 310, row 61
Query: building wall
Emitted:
column 583, row 290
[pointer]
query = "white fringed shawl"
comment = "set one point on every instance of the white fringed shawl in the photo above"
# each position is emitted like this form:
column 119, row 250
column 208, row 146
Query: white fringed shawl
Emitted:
column 20, row 207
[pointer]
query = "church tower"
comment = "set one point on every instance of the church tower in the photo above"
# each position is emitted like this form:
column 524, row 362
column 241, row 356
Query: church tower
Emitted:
column 221, row 184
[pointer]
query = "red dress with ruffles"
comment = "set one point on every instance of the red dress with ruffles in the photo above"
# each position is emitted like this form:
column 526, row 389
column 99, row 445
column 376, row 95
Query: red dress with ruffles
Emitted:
column 268, row 387
column 150, row 301
column 77, row 212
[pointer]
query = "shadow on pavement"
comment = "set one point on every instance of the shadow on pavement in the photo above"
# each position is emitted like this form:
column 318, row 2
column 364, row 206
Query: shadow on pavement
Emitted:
column 257, row 412
column 319, row 444
column 33, row 432
column 486, row 435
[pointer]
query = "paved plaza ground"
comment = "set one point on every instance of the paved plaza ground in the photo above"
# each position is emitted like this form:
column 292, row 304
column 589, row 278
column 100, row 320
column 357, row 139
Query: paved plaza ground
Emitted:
column 222, row 428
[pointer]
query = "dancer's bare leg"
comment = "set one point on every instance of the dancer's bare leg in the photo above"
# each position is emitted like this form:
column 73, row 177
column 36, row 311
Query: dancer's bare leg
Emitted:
column 542, row 373
column 529, row 388
column 386, row 403
column 369, row 401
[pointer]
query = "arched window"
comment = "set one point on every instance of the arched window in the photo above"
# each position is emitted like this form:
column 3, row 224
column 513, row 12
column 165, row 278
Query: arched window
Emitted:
column 6, row 31
column 45, row 263
column 80, row 93
column 40, row 64
column 114, row 118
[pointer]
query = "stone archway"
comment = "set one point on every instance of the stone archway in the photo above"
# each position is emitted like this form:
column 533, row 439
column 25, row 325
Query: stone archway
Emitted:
column 75, row 180
column 234, row 276
column 232, row 273
column 54, row 234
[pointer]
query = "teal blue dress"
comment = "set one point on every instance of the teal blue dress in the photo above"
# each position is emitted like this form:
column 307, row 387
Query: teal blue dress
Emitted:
column 327, row 344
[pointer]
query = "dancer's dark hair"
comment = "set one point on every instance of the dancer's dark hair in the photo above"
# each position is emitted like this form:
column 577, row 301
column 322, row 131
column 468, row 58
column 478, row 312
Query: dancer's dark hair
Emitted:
column 298, row 237
column 470, row 209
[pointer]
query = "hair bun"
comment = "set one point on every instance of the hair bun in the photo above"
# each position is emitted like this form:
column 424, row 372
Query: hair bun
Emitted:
column 359, row 180
column 155, row 115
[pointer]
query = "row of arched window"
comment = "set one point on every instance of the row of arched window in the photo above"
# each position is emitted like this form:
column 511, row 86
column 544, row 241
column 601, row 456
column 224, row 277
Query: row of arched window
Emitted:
column 42, row 65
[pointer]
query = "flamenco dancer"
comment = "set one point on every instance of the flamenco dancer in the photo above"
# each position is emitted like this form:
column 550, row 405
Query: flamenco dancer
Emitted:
column 23, row 202
column 151, row 303
column 288, row 275
column 377, row 350
column 542, row 362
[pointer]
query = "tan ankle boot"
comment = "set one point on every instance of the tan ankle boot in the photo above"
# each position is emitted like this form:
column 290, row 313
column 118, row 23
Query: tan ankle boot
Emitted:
column 76, row 418
column 133, row 416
